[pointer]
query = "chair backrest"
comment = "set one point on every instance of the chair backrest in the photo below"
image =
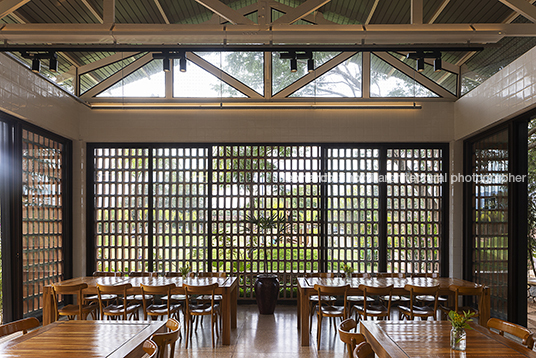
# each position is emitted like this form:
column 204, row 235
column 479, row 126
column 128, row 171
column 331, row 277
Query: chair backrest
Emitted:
column 415, row 291
column 324, row 291
column 363, row 350
column 190, row 290
column 107, row 274
column 119, row 290
column 21, row 325
column 381, row 291
column 320, row 274
column 477, row 291
column 351, row 339
column 150, row 348
column 161, row 290
column 514, row 329
column 209, row 274
column 75, row 290
column 169, row 338
column 142, row 274
column 390, row 275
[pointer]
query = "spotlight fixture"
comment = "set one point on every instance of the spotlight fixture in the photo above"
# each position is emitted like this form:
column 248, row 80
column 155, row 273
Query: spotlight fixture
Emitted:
column 437, row 64
column 310, row 65
column 36, row 65
column 53, row 63
column 166, row 64
column 293, row 65
column 420, row 64
column 182, row 63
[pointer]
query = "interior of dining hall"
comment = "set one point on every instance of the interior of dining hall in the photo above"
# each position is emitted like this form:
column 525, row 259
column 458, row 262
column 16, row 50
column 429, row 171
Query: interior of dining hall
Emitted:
column 319, row 178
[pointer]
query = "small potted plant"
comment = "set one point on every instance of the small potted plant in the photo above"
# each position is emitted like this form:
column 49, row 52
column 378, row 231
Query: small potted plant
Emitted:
column 348, row 270
column 184, row 271
column 459, row 324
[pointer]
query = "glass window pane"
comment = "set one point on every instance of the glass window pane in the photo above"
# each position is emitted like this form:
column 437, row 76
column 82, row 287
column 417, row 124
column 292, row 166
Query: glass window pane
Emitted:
column 148, row 81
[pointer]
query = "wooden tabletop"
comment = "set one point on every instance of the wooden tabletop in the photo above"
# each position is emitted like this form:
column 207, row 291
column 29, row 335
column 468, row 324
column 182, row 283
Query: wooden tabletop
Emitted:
column 396, row 339
column 136, row 281
column 67, row 339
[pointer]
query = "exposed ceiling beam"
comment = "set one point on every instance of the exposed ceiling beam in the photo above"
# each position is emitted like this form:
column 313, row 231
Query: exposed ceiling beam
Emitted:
column 419, row 77
column 438, row 11
column 9, row 6
column 108, row 12
column 522, row 7
column 230, row 80
column 207, row 34
column 371, row 13
column 93, row 11
column 416, row 12
column 308, row 78
column 226, row 12
column 315, row 17
column 116, row 77
column 301, row 11
column 162, row 12
column 515, row 14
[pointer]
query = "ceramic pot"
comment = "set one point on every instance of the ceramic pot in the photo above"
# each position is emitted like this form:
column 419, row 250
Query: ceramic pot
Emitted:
column 266, row 292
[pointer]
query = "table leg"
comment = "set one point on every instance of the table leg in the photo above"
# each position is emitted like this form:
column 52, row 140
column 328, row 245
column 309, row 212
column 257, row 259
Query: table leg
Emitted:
column 49, row 315
column 485, row 310
column 226, row 315
column 304, row 317
column 234, row 303
column 298, row 308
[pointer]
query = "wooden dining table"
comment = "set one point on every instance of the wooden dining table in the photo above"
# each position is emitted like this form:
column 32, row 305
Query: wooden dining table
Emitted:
column 227, row 288
column 88, row 339
column 408, row 339
column 306, row 289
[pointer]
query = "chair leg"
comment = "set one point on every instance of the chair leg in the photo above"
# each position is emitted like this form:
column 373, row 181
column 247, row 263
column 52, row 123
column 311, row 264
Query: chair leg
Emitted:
column 212, row 322
column 187, row 319
column 319, row 330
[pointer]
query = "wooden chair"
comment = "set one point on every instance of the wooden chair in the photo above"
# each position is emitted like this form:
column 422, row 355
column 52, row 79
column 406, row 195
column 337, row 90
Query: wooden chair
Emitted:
column 396, row 299
column 192, row 310
column 363, row 350
column 150, row 308
column 351, row 339
column 21, row 325
column 415, row 310
column 516, row 330
column 164, row 340
column 330, row 310
column 356, row 299
column 150, row 348
column 139, row 298
column 94, row 299
column 313, row 299
column 381, row 306
column 79, row 309
column 120, row 309
column 428, row 299
column 476, row 291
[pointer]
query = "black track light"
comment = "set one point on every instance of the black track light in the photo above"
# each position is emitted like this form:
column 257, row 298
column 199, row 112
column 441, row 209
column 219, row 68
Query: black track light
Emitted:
column 420, row 64
column 36, row 65
column 310, row 65
column 293, row 65
column 437, row 64
column 53, row 64
column 182, row 63
column 166, row 64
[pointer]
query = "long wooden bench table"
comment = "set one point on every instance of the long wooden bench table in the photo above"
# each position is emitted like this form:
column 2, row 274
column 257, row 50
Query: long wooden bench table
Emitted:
column 228, row 288
column 306, row 289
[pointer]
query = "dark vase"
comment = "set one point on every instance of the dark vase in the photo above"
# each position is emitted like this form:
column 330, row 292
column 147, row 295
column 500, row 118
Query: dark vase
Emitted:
column 266, row 292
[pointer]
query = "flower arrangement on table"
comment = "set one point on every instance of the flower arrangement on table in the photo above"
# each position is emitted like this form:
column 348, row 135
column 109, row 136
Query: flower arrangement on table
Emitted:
column 184, row 271
column 459, row 324
column 347, row 269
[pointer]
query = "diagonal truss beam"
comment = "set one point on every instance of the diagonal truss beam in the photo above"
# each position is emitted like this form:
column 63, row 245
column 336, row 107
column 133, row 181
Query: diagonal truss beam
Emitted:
column 301, row 11
column 438, row 11
column 226, row 12
column 93, row 11
column 522, row 7
column 116, row 77
column 419, row 77
column 315, row 18
column 308, row 78
column 9, row 6
column 371, row 13
column 162, row 12
column 105, row 61
column 231, row 81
